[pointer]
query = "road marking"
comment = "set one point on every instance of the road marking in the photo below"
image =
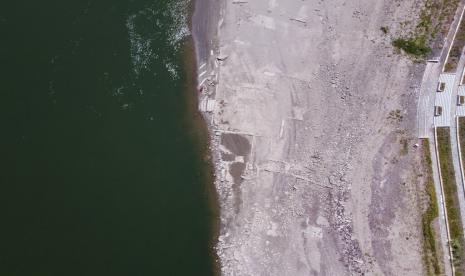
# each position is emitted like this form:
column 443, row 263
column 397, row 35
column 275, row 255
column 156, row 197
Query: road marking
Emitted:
column 201, row 83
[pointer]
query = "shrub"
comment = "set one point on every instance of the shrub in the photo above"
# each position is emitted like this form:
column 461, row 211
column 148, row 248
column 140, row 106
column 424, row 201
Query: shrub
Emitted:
column 416, row 47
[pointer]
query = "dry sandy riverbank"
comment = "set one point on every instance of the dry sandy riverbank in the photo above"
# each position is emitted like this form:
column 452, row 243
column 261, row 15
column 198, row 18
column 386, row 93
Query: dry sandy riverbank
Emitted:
column 312, row 173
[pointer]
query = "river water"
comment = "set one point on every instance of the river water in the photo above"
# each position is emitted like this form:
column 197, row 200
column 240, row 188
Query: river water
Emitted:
column 102, row 150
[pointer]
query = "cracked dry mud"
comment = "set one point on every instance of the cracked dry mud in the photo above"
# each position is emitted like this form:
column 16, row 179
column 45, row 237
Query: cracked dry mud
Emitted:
column 311, row 175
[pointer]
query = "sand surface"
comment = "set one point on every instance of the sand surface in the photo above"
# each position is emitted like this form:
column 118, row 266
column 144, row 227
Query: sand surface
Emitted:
column 313, row 109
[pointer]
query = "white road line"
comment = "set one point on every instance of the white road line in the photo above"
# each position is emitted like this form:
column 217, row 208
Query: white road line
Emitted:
column 461, row 77
column 203, row 73
column 201, row 83
column 282, row 129
column 203, row 65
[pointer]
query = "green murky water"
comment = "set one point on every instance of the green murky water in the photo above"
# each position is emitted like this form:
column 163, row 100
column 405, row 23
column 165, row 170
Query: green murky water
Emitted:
column 101, row 157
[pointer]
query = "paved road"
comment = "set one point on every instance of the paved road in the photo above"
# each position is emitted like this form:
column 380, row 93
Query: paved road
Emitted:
column 426, row 129
column 430, row 80
column 426, row 100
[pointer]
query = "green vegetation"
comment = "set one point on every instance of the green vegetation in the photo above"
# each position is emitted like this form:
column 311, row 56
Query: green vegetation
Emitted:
column 451, row 198
column 431, row 254
column 456, row 50
column 435, row 18
column 461, row 131
column 417, row 46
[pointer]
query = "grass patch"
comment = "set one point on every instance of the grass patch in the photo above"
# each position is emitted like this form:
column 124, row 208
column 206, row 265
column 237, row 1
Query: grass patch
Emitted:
column 451, row 198
column 462, row 136
column 457, row 246
column 456, row 50
column 414, row 46
column 431, row 254
column 435, row 18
